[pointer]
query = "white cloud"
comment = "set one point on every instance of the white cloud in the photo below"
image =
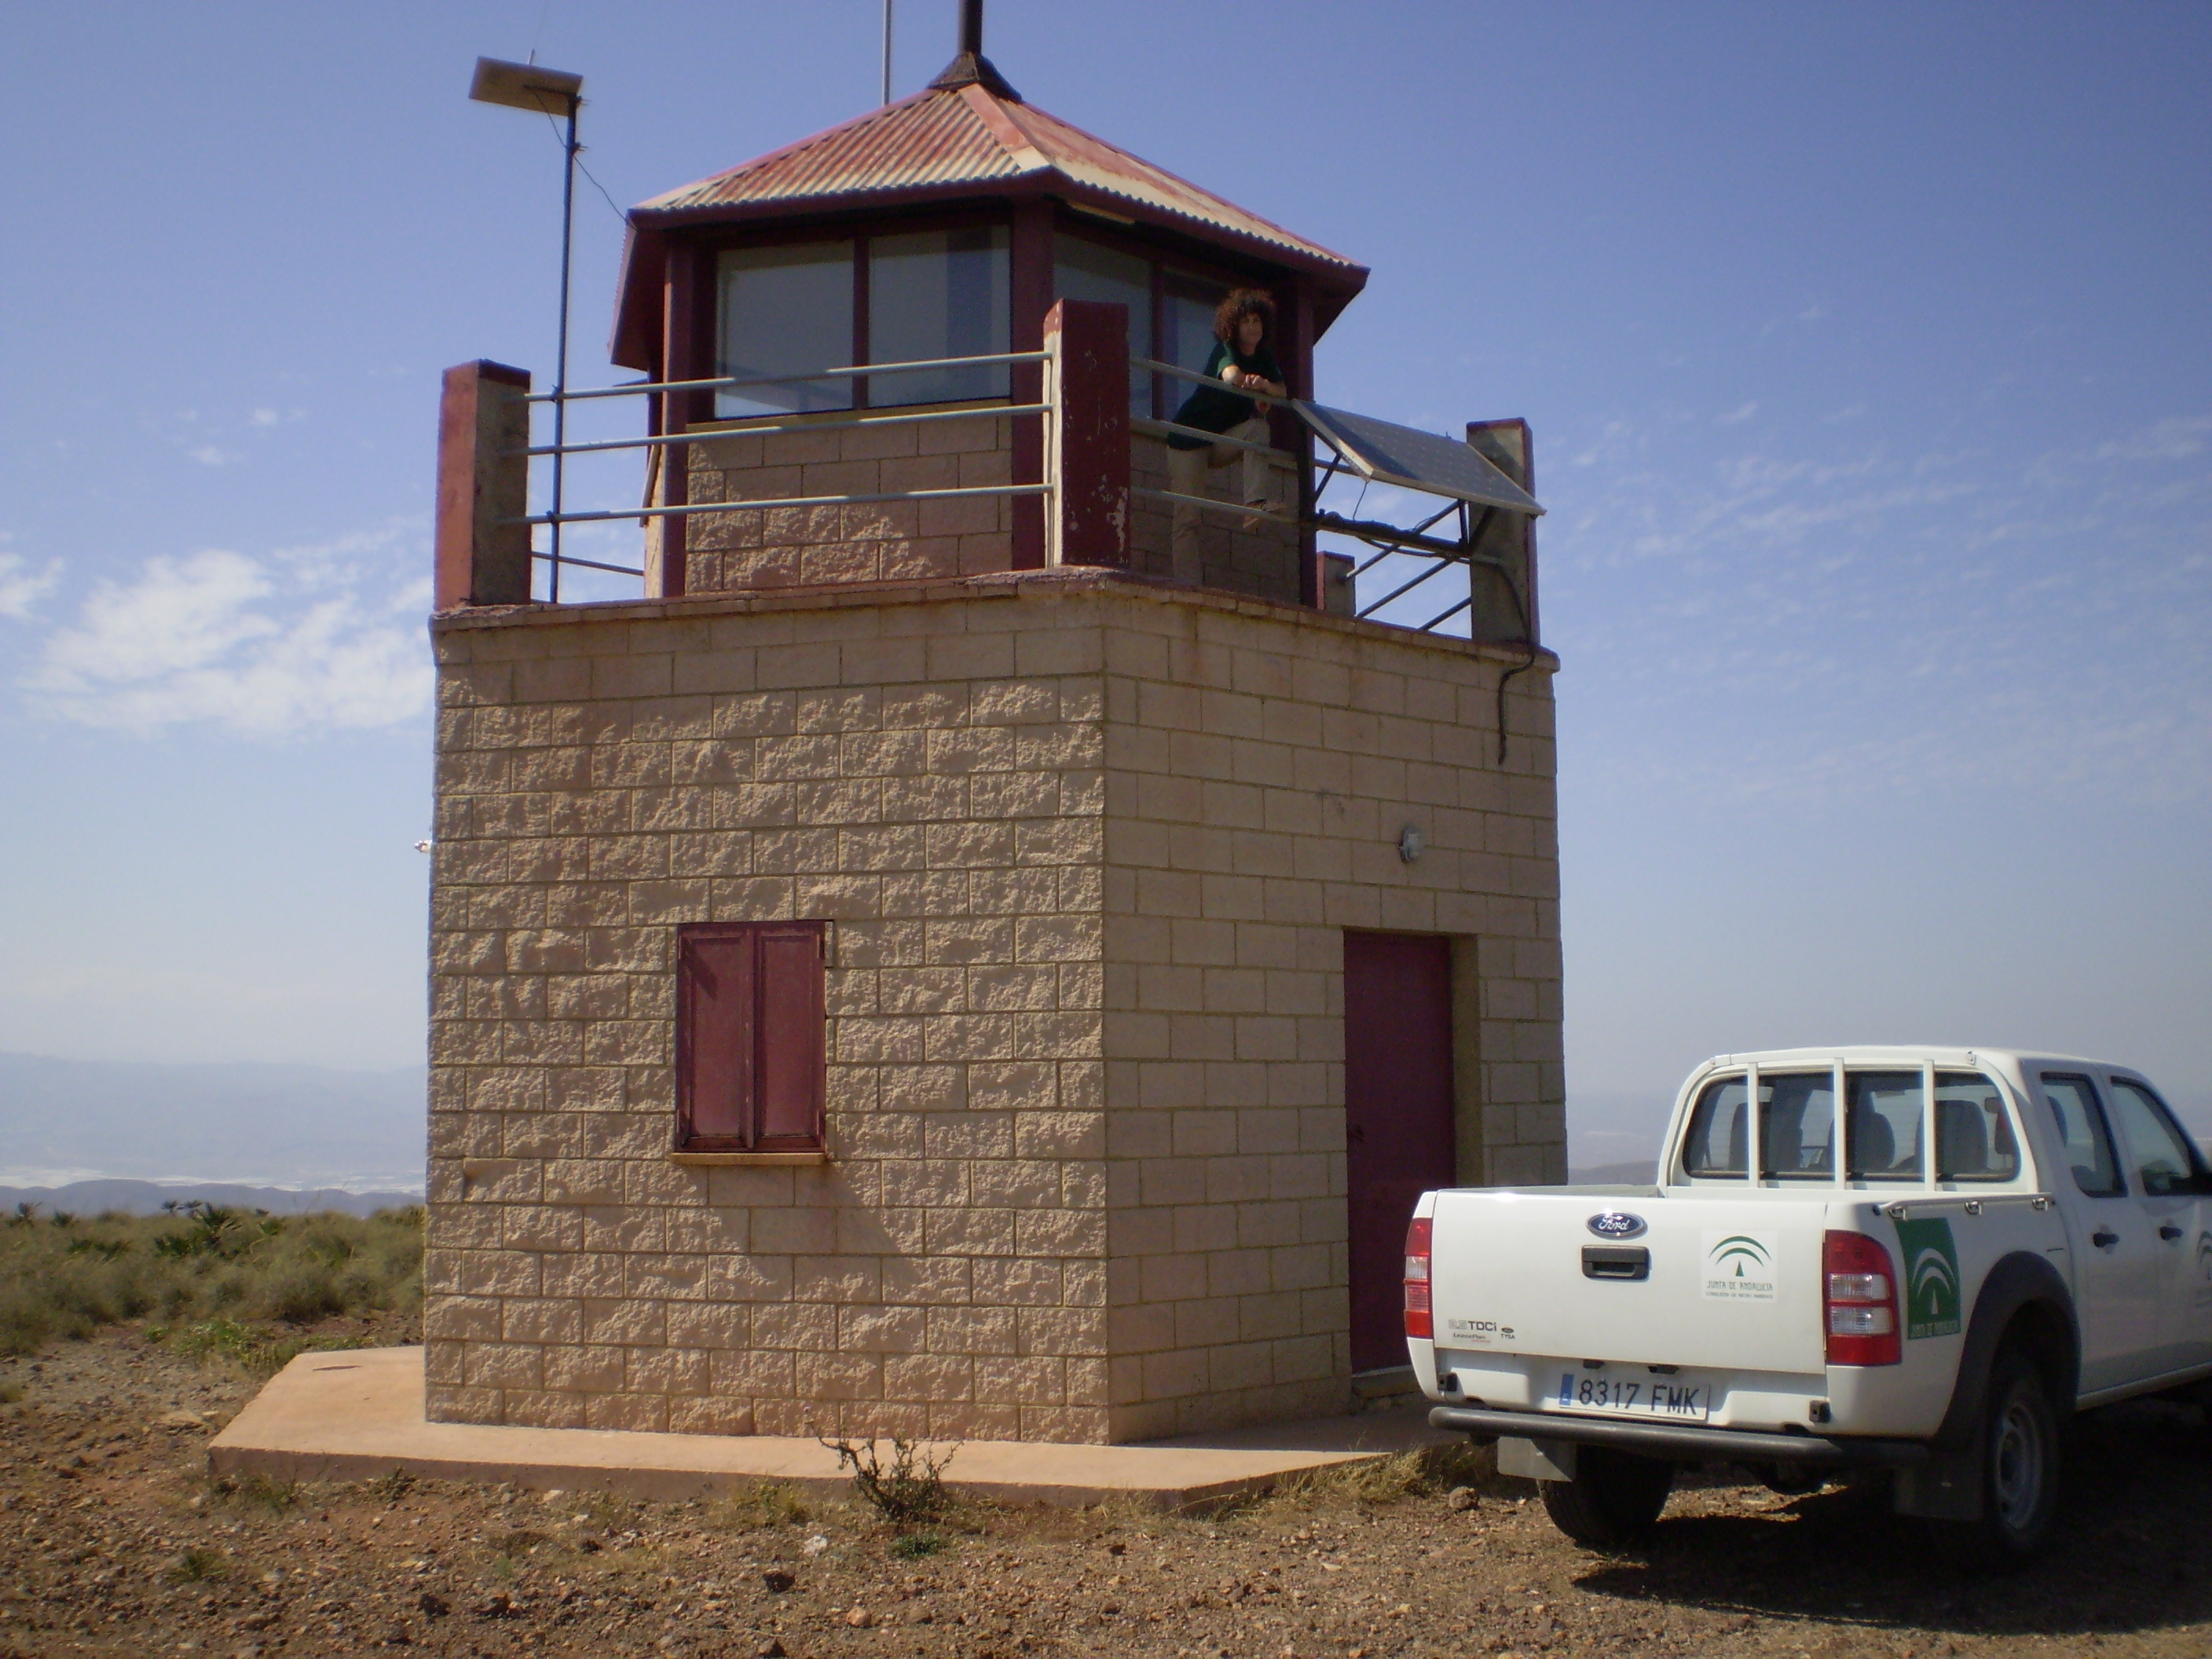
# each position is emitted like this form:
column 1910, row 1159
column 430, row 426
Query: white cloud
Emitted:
column 1743, row 413
column 309, row 638
column 19, row 589
column 2164, row 440
column 208, row 455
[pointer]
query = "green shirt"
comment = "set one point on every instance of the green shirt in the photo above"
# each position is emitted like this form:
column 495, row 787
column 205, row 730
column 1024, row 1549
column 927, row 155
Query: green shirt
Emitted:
column 1215, row 408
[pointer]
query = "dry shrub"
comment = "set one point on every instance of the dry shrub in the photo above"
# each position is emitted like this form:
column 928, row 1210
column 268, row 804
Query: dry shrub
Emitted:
column 202, row 1262
column 909, row 1490
column 196, row 1566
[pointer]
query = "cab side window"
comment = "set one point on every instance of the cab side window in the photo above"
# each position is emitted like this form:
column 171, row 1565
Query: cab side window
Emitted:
column 1974, row 1140
column 1718, row 1143
column 2164, row 1162
column 2081, row 1126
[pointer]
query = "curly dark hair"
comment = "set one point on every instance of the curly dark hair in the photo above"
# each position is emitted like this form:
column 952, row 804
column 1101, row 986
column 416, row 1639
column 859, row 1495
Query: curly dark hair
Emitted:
column 1240, row 303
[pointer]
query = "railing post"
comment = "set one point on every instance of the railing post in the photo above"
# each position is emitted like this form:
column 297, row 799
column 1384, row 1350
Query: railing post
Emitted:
column 1510, row 446
column 1087, row 434
column 483, row 487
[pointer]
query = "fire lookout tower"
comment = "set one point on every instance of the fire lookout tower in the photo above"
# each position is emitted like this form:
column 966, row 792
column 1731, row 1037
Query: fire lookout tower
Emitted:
column 962, row 953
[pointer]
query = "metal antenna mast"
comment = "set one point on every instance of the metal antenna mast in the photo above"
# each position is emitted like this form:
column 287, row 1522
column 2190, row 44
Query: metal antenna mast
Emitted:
column 887, row 50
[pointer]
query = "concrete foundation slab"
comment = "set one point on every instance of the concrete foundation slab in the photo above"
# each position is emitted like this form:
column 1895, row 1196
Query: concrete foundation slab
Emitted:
column 355, row 1414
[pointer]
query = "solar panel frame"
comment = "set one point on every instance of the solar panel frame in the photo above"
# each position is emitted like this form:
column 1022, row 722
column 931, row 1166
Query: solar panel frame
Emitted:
column 1413, row 459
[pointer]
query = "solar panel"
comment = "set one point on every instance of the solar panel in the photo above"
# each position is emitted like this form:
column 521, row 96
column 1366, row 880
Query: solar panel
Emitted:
column 1417, row 461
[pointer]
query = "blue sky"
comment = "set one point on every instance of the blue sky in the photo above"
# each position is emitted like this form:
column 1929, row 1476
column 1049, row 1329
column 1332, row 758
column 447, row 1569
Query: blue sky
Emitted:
column 1866, row 350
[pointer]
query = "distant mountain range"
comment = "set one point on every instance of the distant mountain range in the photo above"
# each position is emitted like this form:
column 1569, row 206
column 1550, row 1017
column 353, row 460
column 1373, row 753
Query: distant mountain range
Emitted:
column 292, row 1127
column 90, row 1197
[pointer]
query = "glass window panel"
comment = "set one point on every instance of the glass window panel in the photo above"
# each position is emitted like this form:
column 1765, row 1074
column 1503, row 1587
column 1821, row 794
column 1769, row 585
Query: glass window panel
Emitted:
column 2162, row 1156
column 1087, row 270
column 1188, row 305
column 784, row 311
column 1719, row 1138
column 2081, row 1128
column 938, row 293
column 1885, row 1109
column 1797, row 1125
column 1187, row 320
column 1974, row 1140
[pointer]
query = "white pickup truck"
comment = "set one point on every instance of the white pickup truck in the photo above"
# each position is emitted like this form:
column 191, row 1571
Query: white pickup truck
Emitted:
column 1915, row 1262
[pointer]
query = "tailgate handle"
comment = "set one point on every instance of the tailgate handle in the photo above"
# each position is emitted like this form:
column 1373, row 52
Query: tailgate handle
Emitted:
column 1616, row 1261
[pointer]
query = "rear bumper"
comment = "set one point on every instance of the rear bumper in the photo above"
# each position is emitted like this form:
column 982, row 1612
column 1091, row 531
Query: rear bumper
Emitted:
column 1679, row 1441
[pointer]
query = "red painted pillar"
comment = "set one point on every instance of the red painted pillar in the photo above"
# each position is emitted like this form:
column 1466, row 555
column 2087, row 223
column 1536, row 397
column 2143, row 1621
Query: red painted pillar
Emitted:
column 483, row 487
column 1088, row 513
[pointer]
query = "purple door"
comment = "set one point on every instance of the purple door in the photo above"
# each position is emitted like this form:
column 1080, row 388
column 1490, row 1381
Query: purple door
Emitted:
column 1397, row 1119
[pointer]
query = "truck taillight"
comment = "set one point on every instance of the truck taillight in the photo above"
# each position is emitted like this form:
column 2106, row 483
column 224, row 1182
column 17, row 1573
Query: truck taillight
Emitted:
column 1420, row 1320
column 1859, row 1300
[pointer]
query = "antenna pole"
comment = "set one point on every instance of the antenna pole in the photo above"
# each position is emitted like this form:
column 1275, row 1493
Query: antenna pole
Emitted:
column 971, row 27
column 561, row 355
column 887, row 50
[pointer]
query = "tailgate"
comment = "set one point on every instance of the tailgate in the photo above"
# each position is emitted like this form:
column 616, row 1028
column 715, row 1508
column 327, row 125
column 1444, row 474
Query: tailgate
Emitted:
column 1731, row 1282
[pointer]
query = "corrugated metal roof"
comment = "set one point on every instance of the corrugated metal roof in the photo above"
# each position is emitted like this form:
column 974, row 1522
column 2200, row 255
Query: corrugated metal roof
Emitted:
column 953, row 135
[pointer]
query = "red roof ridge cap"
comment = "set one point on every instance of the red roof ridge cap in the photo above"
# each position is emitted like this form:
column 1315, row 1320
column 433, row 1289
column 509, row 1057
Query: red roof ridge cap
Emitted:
column 999, row 120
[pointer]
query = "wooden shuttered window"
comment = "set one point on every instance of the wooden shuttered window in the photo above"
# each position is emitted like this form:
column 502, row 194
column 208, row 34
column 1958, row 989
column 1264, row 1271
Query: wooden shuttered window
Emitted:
column 749, row 1030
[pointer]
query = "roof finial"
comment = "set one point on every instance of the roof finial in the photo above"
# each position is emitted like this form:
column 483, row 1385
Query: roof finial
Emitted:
column 970, row 67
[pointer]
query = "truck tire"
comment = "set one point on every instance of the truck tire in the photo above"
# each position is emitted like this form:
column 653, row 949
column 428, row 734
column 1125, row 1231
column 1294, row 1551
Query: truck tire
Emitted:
column 2022, row 1456
column 1614, row 1499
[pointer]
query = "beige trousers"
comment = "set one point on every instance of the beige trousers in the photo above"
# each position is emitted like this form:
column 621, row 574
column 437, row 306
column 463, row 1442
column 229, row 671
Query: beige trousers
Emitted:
column 1187, row 471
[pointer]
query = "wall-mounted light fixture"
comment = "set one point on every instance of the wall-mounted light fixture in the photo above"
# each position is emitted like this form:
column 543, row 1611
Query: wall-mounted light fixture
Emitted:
column 1410, row 844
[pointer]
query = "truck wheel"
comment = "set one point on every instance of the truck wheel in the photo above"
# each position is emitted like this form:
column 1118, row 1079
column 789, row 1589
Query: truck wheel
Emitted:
column 1614, row 1499
column 2021, row 1456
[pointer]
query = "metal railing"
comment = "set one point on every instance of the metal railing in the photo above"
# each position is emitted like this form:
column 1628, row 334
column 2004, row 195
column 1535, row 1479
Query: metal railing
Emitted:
column 1328, row 459
column 656, row 444
column 1281, row 459
column 1391, row 541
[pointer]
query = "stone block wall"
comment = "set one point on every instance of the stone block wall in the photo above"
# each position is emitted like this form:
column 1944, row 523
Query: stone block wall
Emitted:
column 927, row 775
column 883, row 541
column 1258, row 776
column 1262, row 562
column 912, row 541
column 1090, row 844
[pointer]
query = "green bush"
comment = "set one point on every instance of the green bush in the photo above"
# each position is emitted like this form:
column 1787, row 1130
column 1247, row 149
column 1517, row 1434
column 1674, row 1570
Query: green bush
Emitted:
column 205, row 1266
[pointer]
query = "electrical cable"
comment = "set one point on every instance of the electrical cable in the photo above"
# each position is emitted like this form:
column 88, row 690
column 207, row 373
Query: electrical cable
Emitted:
column 586, row 171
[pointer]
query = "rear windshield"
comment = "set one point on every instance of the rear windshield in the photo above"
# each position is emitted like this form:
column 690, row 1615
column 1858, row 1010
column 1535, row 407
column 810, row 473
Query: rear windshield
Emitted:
column 1881, row 1129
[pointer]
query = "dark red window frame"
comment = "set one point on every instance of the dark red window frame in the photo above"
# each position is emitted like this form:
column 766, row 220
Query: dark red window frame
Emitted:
column 751, row 1033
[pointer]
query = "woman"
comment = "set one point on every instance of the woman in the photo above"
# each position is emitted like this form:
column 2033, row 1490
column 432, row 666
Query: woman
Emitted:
column 1243, row 358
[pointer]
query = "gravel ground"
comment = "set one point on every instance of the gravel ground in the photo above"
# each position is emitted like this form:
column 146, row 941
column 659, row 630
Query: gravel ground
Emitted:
column 118, row 1544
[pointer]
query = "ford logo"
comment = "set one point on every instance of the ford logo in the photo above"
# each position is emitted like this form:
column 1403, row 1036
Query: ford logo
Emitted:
column 1617, row 1224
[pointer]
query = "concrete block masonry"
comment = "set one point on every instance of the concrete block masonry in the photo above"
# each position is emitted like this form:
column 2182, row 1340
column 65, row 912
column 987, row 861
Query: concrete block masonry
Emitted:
column 1090, row 843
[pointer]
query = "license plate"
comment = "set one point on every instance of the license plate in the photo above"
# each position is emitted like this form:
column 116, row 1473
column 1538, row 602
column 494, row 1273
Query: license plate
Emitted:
column 1669, row 1399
